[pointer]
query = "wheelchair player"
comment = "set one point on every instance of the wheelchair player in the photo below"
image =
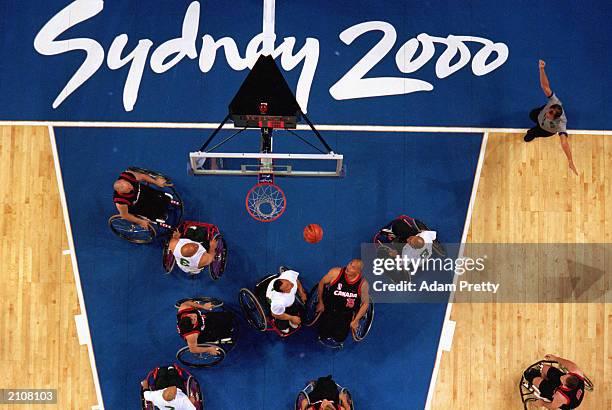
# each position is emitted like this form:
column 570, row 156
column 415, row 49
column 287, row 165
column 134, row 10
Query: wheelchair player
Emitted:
column 410, row 235
column 171, row 387
column 277, row 304
column 193, row 247
column 343, row 299
column 198, row 324
column 556, row 387
column 324, row 394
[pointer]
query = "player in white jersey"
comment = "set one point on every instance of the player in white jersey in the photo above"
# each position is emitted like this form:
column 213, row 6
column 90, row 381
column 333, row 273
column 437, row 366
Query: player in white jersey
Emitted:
column 191, row 257
column 169, row 398
column 419, row 246
column 281, row 293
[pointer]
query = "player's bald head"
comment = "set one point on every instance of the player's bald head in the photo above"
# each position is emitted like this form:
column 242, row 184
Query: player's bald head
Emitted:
column 189, row 249
column 355, row 266
column 416, row 242
column 122, row 186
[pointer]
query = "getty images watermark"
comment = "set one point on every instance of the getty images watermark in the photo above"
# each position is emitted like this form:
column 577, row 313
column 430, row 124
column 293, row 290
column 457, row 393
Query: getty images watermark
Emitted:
column 500, row 272
column 401, row 266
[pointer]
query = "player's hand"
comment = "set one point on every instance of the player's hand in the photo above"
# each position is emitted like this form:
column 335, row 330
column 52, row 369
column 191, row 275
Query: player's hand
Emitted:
column 161, row 182
column 296, row 320
column 144, row 384
column 573, row 168
column 354, row 325
column 144, row 224
column 541, row 64
column 207, row 306
column 213, row 244
column 320, row 307
column 213, row 351
column 176, row 234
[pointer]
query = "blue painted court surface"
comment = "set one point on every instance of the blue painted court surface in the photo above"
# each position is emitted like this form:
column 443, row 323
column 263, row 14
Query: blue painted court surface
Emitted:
column 130, row 300
column 482, row 73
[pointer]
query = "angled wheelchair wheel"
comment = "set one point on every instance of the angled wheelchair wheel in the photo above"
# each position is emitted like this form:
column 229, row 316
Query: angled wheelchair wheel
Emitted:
column 216, row 303
column 349, row 398
column 365, row 324
column 130, row 231
column 217, row 266
column 201, row 360
column 588, row 384
column 152, row 174
column 300, row 399
column 311, row 307
column 193, row 390
column 168, row 260
column 252, row 310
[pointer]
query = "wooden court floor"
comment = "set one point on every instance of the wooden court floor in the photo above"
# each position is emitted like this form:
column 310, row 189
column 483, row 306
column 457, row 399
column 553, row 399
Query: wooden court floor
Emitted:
column 526, row 195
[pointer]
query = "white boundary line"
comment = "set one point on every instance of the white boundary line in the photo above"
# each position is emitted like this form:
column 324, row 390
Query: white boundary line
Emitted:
column 75, row 268
column 449, row 305
column 320, row 127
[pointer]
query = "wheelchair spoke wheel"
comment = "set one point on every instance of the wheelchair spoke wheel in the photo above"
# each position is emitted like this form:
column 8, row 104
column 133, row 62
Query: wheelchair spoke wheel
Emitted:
column 252, row 309
column 193, row 390
column 349, row 398
column 217, row 266
column 311, row 307
column 331, row 343
column 130, row 231
column 201, row 360
column 364, row 324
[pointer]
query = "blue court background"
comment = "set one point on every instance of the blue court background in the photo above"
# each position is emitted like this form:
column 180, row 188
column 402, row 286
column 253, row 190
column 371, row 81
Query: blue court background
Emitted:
column 573, row 37
column 130, row 301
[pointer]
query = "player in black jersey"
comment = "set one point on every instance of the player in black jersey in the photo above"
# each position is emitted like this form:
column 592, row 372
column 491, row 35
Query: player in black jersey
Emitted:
column 343, row 300
column 195, row 325
column 564, row 390
column 132, row 197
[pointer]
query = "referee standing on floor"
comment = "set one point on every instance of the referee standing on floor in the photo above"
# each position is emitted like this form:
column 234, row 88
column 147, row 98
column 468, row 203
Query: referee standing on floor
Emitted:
column 550, row 119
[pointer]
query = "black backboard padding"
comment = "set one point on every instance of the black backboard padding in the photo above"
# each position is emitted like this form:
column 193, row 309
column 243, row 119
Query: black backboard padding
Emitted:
column 265, row 83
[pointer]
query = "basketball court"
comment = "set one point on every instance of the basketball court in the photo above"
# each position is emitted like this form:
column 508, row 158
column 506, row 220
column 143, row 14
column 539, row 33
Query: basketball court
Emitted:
column 392, row 133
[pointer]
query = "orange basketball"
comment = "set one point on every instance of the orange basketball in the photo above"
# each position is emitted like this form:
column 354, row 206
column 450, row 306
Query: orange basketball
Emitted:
column 313, row 233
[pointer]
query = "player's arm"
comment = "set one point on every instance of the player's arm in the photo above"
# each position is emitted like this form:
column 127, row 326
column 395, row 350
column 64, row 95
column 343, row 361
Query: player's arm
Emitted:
column 365, row 303
column 195, row 305
column 300, row 291
column 326, row 280
column 568, row 364
column 192, row 342
column 125, row 214
column 160, row 182
column 544, row 83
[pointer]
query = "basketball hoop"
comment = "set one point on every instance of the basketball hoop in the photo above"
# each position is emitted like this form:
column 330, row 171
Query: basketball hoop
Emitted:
column 266, row 202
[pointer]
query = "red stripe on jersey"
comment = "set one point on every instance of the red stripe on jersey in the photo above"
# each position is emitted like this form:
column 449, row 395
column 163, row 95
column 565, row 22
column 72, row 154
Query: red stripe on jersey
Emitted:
column 560, row 390
column 191, row 333
column 119, row 200
column 129, row 176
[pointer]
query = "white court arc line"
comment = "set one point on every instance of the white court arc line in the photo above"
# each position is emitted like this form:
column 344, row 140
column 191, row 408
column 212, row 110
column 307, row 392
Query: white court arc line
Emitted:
column 75, row 268
column 449, row 305
column 320, row 127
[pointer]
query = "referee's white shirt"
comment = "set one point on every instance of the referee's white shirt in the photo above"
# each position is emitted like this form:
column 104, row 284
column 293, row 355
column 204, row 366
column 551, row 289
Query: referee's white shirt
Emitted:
column 279, row 300
column 180, row 402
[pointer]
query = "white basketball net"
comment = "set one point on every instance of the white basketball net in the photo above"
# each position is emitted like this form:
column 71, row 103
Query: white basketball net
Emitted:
column 266, row 202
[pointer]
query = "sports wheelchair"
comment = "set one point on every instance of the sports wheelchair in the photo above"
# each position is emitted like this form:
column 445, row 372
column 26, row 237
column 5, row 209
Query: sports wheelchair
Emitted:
column 190, row 386
column 365, row 323
column 304, row 395
column 163, row 222
column 386, row 236
column 256, row 308
column 223, row 343
column 530, row 393
column 203, row 233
